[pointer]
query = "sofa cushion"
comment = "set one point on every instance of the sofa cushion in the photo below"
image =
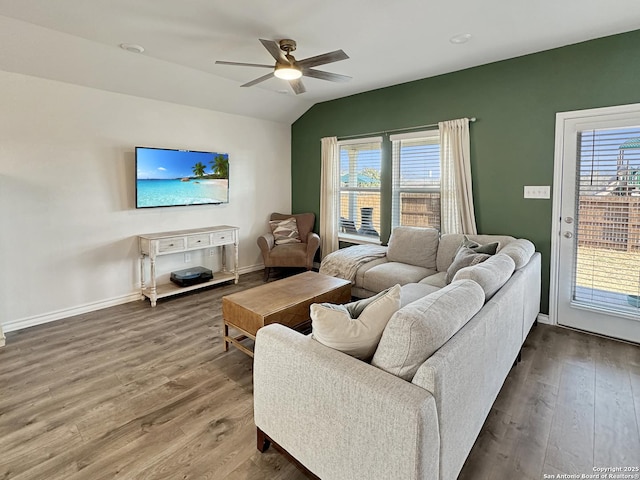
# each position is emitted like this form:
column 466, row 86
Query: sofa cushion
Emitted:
column 464, row 258
column 414, row 291
column 363, row 269
column 437, row 280
column 418, row 330
column 491, row 274
column 414, row 246
column 447, row 249
column 289, row 254
column 388, row 274
column 355, row 328
column 285, row 231
column 520, row 250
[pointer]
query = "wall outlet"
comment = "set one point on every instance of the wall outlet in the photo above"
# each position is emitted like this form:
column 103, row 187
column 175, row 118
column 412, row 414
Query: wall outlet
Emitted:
column 538, row 191
column 187, row 258
column 212, row 252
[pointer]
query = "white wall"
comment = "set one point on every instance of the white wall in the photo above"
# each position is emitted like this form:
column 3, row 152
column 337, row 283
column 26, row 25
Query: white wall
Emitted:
column 67, row 183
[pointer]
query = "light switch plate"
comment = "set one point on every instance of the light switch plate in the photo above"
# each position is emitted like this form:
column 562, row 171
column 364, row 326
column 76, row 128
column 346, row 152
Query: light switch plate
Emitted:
column 537, row 191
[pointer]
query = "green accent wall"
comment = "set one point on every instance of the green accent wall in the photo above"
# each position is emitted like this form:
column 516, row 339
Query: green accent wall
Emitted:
column 512, row 141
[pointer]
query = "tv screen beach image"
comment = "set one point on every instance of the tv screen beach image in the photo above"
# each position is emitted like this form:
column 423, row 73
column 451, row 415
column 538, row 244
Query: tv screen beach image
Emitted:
column 166, row 178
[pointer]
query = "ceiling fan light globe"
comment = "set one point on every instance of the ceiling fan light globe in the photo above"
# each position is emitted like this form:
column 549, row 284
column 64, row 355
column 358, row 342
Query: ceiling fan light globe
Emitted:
column 287, row 73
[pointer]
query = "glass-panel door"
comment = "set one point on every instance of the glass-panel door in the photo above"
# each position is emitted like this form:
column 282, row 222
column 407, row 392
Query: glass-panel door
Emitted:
column 598, row 239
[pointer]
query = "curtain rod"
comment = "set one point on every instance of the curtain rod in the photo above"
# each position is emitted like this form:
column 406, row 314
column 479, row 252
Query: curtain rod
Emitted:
column 382, row 132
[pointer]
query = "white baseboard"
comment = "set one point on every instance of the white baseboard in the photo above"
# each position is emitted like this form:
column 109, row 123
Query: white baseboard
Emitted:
column 13, row 325
column 544, row 318
column 21, row 323
column 251, row 268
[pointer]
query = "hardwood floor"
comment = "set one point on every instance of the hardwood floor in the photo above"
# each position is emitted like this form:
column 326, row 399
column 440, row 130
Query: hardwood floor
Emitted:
column 133, row 392
column 572, row 404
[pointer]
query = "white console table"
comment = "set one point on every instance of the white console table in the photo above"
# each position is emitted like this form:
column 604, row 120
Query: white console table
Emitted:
column 155, row 245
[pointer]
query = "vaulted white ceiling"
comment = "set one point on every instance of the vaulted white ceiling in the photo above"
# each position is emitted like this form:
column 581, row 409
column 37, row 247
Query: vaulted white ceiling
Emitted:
column 77, row 41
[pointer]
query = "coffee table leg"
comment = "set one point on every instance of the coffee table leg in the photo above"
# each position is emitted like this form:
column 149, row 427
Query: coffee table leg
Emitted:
column 226, row 335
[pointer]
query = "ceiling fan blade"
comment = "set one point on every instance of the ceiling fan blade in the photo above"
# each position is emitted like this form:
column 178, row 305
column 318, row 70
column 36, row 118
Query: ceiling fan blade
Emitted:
column 258, row 80
column 332, row 77
column 273, row 48
column 220, row 62
column 323, row 59
column 297, row 86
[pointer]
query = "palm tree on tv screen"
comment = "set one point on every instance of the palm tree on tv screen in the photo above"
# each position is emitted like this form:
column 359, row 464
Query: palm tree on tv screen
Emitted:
column 220, row 166
column 198, row 169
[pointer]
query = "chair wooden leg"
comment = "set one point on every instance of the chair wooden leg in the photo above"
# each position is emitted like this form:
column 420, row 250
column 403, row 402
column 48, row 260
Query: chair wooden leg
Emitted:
column 266, row 273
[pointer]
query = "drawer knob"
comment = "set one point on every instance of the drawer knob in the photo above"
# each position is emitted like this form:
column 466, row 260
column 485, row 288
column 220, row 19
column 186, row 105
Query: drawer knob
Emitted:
column 171, row 244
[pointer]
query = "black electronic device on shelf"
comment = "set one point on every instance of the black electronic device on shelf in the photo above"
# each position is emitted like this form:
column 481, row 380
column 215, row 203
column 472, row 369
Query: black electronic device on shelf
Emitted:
column 191, row 276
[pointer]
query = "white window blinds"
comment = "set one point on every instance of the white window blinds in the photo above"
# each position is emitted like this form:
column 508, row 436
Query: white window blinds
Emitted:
column 607, row 235
column 360, row 172
column 416, row 179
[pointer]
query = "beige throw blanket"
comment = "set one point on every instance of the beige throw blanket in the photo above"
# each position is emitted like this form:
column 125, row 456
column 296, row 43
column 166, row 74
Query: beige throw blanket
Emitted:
column 344, row 263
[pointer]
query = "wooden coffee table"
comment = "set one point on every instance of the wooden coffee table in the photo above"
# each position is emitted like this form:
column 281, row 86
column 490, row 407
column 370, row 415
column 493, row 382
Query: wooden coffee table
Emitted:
column 285, row 301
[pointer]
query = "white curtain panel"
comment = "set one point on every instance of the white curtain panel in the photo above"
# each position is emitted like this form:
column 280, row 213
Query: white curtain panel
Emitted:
column 329, row 196
column 456, row 195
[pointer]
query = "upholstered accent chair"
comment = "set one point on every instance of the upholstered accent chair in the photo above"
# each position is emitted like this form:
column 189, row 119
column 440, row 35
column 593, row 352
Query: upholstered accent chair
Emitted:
column 294, row 254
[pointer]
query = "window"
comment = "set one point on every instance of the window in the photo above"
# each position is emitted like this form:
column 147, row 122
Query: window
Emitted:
column 360, row 166
column 416, row 179
column 607, row 232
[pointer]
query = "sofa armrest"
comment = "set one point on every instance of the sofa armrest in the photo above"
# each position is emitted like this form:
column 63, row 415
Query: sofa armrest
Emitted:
column 337, row 415
column 266, row 242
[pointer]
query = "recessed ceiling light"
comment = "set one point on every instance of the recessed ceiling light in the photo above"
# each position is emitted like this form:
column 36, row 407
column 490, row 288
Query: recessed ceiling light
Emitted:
column 132, row 47
column 461, row 38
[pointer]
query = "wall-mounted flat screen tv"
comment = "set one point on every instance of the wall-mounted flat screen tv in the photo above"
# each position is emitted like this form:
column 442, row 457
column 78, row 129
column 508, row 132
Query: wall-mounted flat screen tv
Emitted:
column 171, row 178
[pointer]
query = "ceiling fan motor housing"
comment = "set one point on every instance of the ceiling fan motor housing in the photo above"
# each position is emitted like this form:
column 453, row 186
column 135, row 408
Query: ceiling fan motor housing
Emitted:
column 287, row 45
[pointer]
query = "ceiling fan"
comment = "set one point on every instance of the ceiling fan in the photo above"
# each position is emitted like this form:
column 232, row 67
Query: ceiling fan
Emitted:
column 288, row 68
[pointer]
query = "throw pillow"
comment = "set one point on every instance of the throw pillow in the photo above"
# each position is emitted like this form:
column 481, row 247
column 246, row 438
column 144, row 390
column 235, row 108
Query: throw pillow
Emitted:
column 488, row 248
column 419, row 329
column 285, row 231
column 464, row 258
column 355, row 328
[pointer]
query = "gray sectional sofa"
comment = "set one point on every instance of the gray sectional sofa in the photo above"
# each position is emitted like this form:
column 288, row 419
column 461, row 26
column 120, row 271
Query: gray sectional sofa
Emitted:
column 414, row 411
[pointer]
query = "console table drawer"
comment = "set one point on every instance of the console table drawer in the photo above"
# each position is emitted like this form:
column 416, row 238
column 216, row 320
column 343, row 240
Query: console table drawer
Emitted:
column 198, row 241
column 222, row 238
column 170, row 244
